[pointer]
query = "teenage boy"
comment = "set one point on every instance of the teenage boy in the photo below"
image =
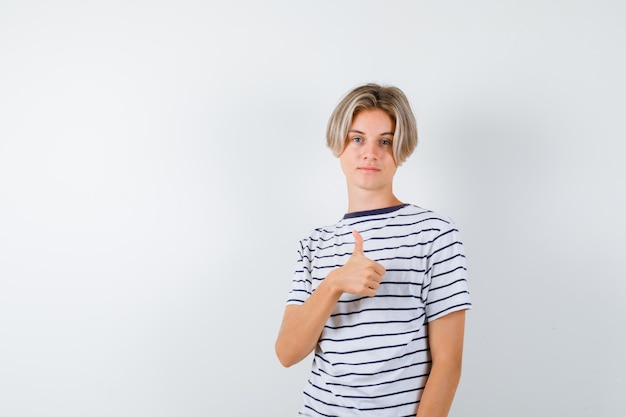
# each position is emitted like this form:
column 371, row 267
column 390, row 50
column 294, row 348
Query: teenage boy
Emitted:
column 381, row 295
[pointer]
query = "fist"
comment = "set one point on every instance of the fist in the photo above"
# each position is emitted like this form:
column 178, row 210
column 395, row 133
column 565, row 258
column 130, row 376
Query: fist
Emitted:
column 360, row 275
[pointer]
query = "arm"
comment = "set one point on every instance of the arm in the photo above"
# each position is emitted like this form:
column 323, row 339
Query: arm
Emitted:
column 445, row 336
column 302, row 324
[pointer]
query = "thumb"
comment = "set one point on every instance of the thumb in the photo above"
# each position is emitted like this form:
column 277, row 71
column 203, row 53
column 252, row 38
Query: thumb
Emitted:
column 358, row 242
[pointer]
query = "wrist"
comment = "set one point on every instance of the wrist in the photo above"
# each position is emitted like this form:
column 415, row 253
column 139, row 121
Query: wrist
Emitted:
column 330, row 284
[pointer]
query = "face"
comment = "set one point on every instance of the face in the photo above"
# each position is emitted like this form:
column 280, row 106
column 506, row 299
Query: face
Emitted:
column 367, row 159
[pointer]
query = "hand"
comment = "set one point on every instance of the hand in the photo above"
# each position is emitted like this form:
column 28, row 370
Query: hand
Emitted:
column 360, row 275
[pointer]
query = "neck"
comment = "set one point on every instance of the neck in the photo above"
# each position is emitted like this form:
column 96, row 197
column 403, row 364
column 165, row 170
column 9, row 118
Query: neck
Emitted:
column 362, row 200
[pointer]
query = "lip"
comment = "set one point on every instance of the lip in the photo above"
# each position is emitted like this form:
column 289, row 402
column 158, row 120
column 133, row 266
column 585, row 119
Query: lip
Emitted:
column 368, row 169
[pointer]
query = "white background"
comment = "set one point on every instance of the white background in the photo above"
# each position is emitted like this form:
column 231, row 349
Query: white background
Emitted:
column 159, row 161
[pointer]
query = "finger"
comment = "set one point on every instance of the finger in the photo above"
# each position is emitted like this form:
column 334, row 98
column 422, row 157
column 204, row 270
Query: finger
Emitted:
column 379, row 269
column 358, row 242
column 374, row 285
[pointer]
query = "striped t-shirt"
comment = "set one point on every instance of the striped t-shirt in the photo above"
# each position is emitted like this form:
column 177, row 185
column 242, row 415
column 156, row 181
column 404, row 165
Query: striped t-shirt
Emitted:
column 372, row 358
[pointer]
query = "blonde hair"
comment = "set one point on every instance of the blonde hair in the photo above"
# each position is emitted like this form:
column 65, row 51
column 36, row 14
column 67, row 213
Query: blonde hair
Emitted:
column 373, row 96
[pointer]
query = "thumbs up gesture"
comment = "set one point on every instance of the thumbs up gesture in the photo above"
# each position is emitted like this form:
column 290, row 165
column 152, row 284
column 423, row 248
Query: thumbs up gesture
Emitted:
column 360, row 275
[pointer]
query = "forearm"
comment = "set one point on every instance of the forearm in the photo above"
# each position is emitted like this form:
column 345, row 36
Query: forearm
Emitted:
column 440, row 389
column 303, row 324
column 445, row 337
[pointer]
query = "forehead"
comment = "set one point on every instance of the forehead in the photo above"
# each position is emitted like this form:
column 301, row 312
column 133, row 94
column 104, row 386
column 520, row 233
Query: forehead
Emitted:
column 375, row 120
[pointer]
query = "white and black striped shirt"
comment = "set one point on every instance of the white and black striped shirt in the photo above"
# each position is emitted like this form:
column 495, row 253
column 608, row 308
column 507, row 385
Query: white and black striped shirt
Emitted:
column 372, row 358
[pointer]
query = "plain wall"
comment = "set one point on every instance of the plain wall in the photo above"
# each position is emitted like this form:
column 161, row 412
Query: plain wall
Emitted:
column 159, row 161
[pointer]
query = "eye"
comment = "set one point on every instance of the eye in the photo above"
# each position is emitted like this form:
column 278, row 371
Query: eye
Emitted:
column 385, row 142
column 357, row 139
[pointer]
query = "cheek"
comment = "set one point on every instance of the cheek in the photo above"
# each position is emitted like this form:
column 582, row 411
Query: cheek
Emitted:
column 342, row 161
column 389, row 156
column 338, row 152
column 348, row 160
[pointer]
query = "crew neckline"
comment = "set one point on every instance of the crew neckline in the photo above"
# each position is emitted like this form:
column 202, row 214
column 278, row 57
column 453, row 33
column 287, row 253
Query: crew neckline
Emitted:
column 383, row 210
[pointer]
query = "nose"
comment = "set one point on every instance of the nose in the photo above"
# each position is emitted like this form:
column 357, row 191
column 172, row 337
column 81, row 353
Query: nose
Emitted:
column 370, row 150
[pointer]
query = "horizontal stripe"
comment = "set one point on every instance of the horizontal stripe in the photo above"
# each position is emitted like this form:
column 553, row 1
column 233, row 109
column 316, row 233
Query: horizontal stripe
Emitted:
column 373, row 352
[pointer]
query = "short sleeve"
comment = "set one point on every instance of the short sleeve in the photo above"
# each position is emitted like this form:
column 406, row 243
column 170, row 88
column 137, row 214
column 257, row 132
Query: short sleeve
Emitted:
column 445, row 288
column 301, row 285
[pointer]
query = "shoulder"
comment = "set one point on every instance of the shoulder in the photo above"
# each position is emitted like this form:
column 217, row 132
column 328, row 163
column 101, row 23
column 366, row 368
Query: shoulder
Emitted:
column 317, row 236
column 425, row 218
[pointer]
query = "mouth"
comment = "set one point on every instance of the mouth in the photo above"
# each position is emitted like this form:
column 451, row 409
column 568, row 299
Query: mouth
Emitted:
column 368, row 169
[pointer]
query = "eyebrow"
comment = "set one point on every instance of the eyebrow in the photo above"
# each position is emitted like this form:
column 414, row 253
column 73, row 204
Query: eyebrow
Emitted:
column 362, row 133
